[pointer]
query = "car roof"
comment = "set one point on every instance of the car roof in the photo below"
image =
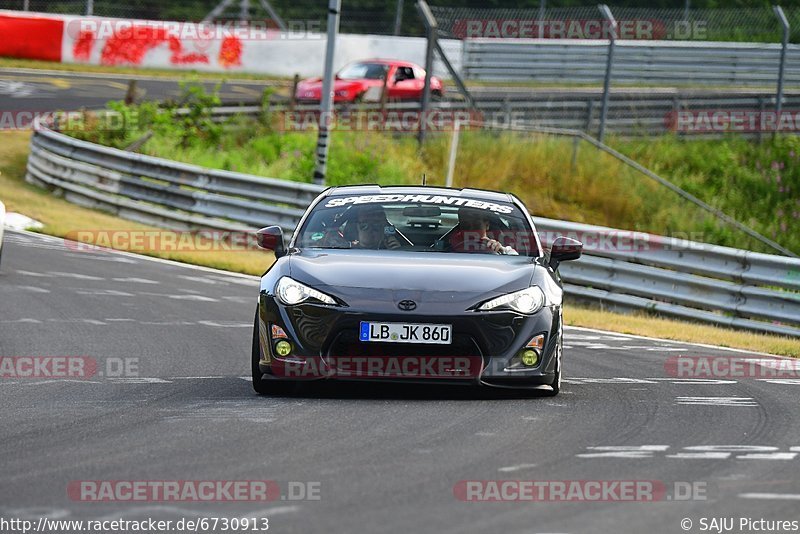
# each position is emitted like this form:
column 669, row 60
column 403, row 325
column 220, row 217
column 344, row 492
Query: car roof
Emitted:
column 387, row 62
column 374, row 189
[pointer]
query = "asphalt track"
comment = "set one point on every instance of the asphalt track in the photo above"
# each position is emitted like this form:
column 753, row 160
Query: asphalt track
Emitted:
column 39, row 90
column 385, row 458
column 33, row 90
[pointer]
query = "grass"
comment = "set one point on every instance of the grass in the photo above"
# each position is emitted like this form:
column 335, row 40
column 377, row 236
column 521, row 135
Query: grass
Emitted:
column 61, row 218
column 13, row 63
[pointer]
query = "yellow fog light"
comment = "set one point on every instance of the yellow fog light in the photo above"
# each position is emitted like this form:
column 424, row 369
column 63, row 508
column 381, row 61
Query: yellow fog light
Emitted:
column 283, row 348
column 529, row 358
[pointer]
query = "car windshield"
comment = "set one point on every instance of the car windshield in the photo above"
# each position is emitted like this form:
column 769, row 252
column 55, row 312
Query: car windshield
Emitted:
column 418, row 223
column 360, row 71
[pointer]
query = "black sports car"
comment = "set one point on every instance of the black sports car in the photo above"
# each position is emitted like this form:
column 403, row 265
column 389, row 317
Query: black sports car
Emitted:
column 411, row 284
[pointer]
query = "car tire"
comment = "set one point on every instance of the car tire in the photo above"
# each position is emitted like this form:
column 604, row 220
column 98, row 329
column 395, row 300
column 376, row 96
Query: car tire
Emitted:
column 261, row 386
column 556, row 384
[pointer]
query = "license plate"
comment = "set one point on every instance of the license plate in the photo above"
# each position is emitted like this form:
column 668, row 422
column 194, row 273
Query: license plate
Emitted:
column 439, row 334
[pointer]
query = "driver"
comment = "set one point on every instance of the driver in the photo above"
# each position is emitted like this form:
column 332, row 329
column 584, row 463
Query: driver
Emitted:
column 471, row 235
column 374, row 231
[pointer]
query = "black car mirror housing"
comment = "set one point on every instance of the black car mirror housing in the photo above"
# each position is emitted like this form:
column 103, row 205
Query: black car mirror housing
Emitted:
column 271, row 238
column 564, row 249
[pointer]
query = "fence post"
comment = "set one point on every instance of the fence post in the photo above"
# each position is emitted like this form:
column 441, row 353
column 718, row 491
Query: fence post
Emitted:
column 785, row 43
column 431, row 31
column 451, row 164
column 542, row 8
column 609, row 65
column 293, row 96
column 326, row 106
column 89, row 8
column 398, row 18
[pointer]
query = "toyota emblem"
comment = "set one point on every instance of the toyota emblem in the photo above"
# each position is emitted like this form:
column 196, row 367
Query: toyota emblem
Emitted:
column 407, row 305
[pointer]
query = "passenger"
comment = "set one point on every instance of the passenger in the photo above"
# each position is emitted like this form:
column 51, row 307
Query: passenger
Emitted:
column 471, row 234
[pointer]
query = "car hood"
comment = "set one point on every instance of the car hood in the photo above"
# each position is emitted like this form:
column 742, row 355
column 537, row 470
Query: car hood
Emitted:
column 423, row 277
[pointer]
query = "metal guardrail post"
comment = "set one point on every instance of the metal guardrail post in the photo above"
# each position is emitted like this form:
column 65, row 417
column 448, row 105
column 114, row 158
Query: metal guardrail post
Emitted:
column 609, row 65
column 326, row 105
column 431, row 30
column 451, row 162
column 784, row 44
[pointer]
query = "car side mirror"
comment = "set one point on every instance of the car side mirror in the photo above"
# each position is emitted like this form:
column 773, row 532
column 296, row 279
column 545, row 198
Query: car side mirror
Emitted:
column 564, row 249
column 271, row 238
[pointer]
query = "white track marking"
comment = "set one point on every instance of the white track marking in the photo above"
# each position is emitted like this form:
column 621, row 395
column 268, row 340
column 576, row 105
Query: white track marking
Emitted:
column 771, row 496
column 135, row 281
column 102, row 292
column 31, row 273
column 716, row 401
column 128, row 257
column 33, row 289
column 79, row 276
column 662, row 340
column 624, row 451
column 518, row 467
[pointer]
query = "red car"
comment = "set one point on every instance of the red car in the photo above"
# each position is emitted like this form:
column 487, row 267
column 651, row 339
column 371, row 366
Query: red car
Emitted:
column 406, row 81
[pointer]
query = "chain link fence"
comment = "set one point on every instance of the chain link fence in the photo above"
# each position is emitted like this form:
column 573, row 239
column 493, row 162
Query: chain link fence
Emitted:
column 640, row 23
column 693, row 72
column 388, row 17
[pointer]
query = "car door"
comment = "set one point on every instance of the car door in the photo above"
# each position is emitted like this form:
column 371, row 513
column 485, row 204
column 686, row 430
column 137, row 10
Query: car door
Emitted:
column 405, row 85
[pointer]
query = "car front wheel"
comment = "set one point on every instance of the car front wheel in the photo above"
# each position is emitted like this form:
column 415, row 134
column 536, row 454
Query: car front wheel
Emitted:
column 556, row 384
column 260, row 385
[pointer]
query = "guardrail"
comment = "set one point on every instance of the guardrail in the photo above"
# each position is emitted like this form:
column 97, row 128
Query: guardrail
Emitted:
column 631, row 112
column 635, row 62
column 691, row 280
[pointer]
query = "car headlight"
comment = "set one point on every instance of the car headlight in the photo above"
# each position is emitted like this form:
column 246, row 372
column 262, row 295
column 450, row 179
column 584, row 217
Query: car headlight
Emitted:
column 527, row 301
column 290, row 292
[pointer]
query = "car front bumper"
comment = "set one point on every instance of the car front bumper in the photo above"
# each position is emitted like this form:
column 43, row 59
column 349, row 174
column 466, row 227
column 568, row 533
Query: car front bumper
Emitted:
column 485, row 348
